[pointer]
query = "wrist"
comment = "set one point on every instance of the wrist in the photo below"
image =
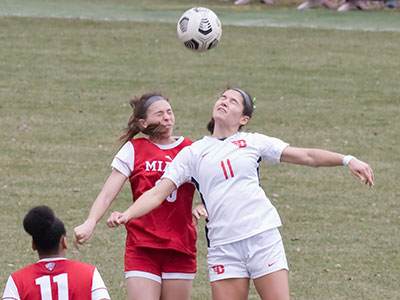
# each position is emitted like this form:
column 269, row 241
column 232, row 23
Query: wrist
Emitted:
column 91, row 221
column 347, row 159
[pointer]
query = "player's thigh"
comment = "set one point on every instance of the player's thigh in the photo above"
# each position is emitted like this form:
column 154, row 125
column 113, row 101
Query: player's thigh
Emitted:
column 176, row 289
column 139, row 288
column 273, row 286
column 232, row 289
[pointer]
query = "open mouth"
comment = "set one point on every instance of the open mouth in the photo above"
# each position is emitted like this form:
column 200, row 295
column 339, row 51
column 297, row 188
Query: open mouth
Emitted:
column 222, row 109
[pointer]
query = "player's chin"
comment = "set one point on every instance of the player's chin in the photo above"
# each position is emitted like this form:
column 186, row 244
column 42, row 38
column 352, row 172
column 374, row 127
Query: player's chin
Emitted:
column 219, row 116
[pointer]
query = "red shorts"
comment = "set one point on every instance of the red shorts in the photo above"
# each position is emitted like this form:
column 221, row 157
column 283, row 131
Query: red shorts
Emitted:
column 164, row 263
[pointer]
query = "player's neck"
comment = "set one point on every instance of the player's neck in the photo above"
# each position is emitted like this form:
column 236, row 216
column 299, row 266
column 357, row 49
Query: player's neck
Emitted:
column 163, row 140
column 223, row 132
column 58, row 255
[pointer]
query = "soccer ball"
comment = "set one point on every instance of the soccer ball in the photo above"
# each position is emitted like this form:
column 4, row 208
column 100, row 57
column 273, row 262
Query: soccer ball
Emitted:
column 199, row 29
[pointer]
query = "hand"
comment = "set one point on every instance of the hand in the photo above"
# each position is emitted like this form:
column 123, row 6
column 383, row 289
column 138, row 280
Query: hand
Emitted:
column 198, row 211
column 83, row 232
column 362, row 170
column 116, row 219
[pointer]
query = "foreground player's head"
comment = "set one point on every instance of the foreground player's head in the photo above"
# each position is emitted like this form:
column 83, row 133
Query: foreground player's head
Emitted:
column 233, row 108
column 152, row 115
column 47, row 231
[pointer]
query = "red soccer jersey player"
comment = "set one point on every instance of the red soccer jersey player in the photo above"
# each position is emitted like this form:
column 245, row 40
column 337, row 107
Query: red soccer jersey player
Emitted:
column 53, row 277
column 160, row 256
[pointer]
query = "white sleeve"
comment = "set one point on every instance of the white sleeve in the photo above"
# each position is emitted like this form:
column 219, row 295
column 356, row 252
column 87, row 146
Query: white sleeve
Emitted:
column 99, row 290
column 270, row 148
column 124, row 159
column 180, row 169
column 11, row 291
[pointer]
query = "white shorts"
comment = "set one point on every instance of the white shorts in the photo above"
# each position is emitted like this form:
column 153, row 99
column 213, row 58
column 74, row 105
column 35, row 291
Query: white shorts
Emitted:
column 253, row 257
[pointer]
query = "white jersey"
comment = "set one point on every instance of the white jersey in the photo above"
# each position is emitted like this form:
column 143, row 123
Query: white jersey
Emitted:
column 226, row 175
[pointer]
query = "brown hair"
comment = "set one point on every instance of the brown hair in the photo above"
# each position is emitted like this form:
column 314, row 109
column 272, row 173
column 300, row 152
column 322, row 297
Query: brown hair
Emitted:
column 140, row 112
column 247, row 109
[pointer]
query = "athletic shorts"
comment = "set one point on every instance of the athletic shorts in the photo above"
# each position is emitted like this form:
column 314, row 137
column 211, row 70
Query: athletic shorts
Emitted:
column 158, row 264
column 252, row 257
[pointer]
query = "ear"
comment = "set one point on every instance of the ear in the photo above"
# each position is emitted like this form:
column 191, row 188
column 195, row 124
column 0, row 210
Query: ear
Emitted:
column 33, row 246
column 244, row 120
column 143, row 123
column 63, row 243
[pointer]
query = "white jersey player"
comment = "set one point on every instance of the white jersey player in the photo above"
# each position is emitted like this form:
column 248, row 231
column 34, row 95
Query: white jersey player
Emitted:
column 244, row 241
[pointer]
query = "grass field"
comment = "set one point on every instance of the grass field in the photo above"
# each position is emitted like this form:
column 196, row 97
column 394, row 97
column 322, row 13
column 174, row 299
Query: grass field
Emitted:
column 65, row 84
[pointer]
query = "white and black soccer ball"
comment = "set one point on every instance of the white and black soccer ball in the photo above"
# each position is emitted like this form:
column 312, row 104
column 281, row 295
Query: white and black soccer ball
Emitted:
column 199, row 29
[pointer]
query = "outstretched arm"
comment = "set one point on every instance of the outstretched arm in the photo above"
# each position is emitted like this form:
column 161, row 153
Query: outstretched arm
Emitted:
column 146, row 203
column 108, row 193
column 324, row 158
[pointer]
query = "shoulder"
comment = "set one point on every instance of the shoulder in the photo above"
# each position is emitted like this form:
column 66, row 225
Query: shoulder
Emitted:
column 187, row 141
column 138, row 141
column 200, row 145
column 206, row 140
column 24, row 270
column 260, row 137
column 80, row 265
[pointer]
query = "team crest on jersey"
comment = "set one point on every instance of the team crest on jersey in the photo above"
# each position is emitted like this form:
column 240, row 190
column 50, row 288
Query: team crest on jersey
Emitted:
column 240, row 143
column 50, row 266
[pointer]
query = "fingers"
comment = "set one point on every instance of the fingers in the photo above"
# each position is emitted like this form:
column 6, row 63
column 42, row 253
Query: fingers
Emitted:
column 116, row 219
column 75, row 241
column 362, row 171
column 195, row 220
column 367, row 175
column 203, row 212
column 195, row 214
column 78, row 238
column 198, row 212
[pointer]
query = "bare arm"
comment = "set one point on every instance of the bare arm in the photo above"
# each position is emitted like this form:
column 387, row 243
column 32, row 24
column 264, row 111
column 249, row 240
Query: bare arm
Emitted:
column 107, row 195
column 324, row 158
column 311, row 157
column 146, row 203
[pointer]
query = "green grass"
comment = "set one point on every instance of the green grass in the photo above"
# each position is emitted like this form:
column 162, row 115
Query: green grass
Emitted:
column 64, row 91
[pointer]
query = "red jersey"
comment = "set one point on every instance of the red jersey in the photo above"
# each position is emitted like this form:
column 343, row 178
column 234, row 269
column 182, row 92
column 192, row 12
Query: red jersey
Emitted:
column 55, row 279
column 170, row 225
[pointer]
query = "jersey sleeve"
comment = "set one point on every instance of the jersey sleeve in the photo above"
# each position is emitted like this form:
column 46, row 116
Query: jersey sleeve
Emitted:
column 99, row 290
column 124, row 159
column 270, row 148
column 180, row 169
column 11, row 291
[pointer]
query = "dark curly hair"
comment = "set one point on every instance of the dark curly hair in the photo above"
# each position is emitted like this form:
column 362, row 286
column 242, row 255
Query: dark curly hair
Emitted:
column 45, row 228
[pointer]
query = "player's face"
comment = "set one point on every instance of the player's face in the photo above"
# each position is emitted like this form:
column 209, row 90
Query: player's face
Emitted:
column 160, row 112
column 228, row 109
